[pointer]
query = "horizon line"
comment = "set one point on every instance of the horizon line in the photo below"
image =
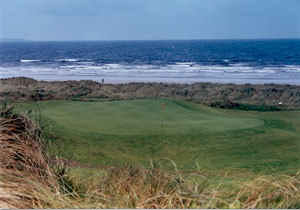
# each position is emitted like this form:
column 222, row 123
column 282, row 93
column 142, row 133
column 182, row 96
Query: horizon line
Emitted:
column 118, row 40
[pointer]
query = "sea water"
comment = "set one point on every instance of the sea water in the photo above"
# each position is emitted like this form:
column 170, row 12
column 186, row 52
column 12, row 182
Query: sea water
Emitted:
column 189, row 61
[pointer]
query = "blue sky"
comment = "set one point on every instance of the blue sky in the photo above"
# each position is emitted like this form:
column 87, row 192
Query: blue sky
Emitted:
column 149, row 19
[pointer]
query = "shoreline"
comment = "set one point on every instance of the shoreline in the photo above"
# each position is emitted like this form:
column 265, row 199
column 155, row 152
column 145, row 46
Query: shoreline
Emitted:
column 109, row 81
column 126, row 79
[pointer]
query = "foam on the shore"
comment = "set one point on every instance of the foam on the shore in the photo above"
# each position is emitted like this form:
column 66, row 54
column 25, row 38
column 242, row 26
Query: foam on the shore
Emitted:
column 182, row 72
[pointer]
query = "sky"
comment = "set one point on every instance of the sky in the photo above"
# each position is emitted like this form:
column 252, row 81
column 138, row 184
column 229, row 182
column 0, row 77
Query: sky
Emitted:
column 149, row 19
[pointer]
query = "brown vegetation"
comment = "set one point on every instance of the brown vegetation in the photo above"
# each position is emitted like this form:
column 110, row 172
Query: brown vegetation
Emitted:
column 24, row 168
column 220, row 95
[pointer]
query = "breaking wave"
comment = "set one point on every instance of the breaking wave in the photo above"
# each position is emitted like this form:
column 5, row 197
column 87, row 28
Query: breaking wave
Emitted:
column 28, row 61
column 67, row 60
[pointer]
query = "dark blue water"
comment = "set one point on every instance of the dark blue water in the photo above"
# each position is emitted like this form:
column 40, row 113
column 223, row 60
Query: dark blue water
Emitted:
column 237, row 61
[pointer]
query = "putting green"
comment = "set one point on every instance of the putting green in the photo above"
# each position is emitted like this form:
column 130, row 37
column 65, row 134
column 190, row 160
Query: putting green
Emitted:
column 190, row 134
column 143, row 117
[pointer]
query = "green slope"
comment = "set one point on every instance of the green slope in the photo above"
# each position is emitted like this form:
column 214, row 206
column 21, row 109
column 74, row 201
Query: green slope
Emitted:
column 190, row 134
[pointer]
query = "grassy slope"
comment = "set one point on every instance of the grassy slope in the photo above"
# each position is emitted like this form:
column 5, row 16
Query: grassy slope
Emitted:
column 190, row 134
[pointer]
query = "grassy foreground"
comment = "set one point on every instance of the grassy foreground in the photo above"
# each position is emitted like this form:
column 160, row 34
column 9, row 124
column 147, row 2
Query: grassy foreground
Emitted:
column 35, row 181
column 192, row 135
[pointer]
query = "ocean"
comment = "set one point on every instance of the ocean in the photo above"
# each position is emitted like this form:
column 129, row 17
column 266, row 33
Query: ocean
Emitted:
column 189, row 61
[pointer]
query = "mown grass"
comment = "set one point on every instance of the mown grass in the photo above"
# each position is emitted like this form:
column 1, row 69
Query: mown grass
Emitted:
column 192, row 135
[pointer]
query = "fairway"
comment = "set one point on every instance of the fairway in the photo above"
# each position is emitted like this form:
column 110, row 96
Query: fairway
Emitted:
column 136, row 131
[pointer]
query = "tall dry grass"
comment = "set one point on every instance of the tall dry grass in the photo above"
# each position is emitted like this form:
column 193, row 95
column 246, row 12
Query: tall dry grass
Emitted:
column 24, row 166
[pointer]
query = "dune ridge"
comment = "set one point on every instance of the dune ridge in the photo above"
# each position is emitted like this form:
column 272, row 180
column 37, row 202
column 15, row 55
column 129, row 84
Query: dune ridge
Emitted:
column 246, row 96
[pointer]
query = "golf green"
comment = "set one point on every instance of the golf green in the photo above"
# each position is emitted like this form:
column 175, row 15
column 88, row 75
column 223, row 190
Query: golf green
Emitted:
column 192, row 135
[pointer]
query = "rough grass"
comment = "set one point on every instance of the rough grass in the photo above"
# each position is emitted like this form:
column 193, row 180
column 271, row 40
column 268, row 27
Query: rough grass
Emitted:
column 135, row 131
column 24, row 167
